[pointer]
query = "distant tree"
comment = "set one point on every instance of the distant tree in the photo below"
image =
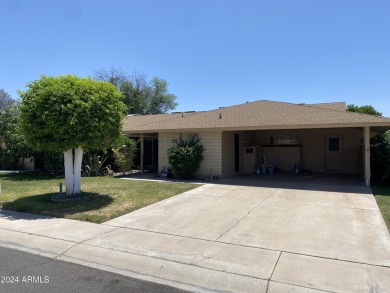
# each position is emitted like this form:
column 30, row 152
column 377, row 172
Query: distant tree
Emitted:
column 380, row 145
column 70, row 114
column 370, row 110
column 113, row 75
column 5, row 100
column 139, row 95
column 136, row 93
column 160, row 100
column 16, row 151
column 16, row 147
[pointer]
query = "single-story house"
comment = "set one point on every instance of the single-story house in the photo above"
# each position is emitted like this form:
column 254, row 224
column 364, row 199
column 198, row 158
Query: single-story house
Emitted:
column 317, row 137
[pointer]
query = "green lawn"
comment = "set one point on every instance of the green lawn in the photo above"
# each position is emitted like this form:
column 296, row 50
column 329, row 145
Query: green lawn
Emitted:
column 382, row 196
column 103, row 198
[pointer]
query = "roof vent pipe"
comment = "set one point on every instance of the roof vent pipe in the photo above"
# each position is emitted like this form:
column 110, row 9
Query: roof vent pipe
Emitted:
column 220, row 116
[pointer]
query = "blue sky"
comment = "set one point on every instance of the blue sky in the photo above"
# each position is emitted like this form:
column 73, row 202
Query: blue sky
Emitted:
column 212, row 53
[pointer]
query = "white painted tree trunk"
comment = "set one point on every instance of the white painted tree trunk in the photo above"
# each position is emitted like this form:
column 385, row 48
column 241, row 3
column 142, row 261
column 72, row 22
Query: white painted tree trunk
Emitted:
column 69, row 174
column 72, row 162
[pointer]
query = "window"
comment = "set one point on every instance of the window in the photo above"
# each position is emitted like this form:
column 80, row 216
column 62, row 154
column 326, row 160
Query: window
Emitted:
column 334, row 144
column 283, row 139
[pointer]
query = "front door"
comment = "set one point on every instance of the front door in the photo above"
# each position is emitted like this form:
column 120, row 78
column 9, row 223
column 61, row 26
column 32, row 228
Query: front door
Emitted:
column 150, row 154
column 334, row 153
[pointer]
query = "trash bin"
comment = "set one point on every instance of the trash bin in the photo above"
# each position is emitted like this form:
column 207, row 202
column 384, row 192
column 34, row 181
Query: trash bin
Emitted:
column 270, row 170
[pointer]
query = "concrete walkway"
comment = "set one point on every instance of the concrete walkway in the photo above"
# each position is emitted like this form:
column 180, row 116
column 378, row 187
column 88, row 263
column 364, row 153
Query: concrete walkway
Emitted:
column 229, row 237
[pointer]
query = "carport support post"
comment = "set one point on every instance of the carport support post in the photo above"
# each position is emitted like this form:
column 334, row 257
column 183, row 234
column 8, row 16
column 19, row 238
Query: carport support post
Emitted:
column 142, row 154
column 367, row 163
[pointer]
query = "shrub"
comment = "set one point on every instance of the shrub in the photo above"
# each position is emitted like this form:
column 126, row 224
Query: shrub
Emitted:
column 380, row 156
column 94, row 163
column 125, row 153
column 52, row 161
column 185, row 157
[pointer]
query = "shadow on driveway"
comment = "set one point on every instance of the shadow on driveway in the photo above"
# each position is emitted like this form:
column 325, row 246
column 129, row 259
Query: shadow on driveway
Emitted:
column 315, row 182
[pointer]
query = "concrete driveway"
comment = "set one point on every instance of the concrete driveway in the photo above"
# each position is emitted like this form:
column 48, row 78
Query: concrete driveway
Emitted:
column 269, row 234
column 286, row 236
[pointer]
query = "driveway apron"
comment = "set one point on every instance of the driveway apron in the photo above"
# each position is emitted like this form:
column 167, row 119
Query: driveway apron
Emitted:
column 279, row 235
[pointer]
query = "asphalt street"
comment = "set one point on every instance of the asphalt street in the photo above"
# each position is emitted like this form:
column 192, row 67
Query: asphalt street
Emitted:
column 25, row 272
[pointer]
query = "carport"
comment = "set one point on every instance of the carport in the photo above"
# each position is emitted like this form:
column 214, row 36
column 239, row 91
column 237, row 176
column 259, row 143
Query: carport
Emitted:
column 320, row 150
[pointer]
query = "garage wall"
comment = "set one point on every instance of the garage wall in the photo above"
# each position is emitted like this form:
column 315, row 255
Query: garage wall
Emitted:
column 247, row 138
column 286, row 156
column 212, row 142
column 313, row 143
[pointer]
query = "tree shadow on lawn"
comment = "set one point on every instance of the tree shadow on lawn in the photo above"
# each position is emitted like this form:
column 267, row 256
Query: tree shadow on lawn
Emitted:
column 43, row 205
column 30, row 176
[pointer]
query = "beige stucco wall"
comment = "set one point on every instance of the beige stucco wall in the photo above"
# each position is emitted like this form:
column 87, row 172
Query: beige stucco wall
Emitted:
column 228, row 154
column 211, row 140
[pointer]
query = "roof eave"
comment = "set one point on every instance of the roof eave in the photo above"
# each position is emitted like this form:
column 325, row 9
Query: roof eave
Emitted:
column 383, row 125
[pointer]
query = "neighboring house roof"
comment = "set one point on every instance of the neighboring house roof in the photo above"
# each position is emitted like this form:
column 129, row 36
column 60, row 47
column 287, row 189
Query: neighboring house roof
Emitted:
column 259, row 115
column 340, row 106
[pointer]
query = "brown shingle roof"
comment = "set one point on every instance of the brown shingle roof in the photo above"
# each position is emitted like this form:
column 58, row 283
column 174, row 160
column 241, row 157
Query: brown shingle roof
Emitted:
column 255, row 115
